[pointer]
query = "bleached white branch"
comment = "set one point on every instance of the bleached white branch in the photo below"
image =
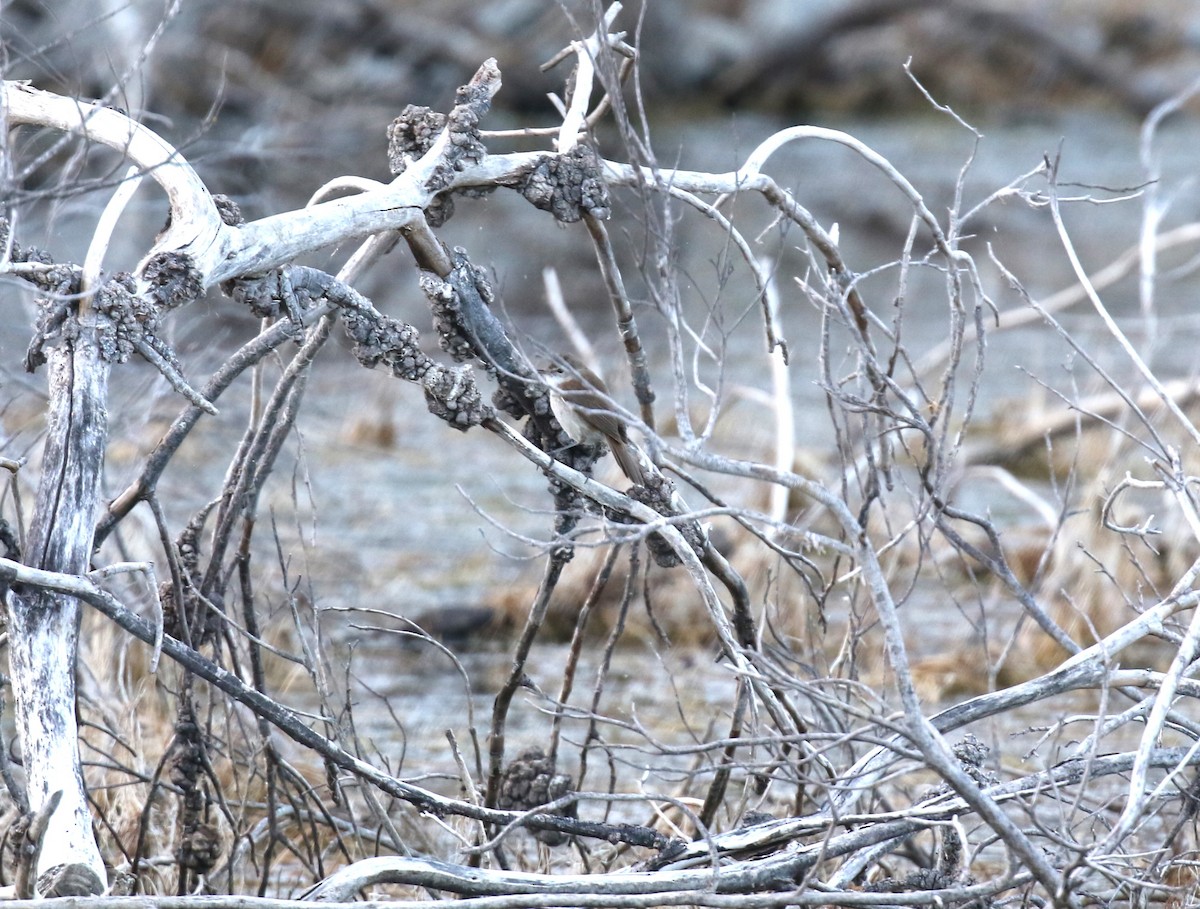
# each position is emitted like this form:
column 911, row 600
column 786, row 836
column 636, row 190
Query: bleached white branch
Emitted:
column 196, row 227
column 89, row 275
column 586, row 52
column 219, row 251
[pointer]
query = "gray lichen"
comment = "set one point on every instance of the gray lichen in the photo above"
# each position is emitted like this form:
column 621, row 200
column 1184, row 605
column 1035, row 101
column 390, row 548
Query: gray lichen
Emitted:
column 529, row 781
column 452, row 394
column 568, row 185
column 412, row 134
column 415, row 131
column 447, row 321
column 173, row 279
column 657, row 495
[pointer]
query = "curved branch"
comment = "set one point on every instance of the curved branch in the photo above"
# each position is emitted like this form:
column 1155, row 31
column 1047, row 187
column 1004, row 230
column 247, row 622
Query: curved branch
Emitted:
column 196, row 228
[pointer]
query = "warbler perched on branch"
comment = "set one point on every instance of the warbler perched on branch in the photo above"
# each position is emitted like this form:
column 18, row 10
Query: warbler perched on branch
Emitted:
column 584, row 408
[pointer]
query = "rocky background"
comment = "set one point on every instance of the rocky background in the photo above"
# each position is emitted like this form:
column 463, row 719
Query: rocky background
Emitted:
column 286, row 87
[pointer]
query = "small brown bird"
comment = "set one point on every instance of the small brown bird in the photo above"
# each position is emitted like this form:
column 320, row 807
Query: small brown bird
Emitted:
column 583, row 407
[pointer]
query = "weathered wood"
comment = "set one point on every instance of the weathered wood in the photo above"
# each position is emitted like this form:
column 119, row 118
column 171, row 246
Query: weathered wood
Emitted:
column 44, row 626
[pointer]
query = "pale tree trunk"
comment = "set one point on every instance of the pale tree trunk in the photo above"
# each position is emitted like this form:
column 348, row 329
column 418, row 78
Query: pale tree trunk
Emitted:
column 44, row 626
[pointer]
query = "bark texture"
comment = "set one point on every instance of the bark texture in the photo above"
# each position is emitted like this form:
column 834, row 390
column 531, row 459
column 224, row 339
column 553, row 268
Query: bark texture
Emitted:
column 44, row 626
